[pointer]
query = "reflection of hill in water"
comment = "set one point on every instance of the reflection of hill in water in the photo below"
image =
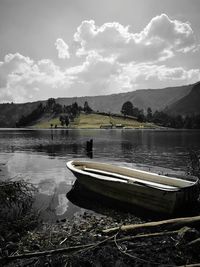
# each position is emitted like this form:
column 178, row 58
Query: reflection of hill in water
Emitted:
column 84, row 198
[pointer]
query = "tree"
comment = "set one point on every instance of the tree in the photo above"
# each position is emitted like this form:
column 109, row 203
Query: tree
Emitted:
column 149, row 114
column 31, row 117
column 140, row 116
column 136, row 112
column 57, row 108
column 50, row 103
column 62, row 120
column 87, row 109
column 127, row 108
column 66, row 120
column 74, row 109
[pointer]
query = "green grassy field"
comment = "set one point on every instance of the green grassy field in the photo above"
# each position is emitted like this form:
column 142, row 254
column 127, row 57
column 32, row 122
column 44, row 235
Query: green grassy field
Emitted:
column 93, row 121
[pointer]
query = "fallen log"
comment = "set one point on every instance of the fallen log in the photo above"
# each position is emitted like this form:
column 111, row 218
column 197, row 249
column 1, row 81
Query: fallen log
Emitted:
column 166, row 224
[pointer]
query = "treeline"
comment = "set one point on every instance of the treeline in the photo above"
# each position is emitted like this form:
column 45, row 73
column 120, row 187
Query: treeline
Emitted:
column 161, row 118
column 178, row 122
column 33, row 116
column 68, row 113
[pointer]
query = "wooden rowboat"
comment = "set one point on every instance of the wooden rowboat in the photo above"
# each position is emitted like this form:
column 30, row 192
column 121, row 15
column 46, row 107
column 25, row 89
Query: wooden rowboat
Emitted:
column 148, row 190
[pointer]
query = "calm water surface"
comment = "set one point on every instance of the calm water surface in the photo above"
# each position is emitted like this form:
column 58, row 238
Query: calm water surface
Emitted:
column 40, row 156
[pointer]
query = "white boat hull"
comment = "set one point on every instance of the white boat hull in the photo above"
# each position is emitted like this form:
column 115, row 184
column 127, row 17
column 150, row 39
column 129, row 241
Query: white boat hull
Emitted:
column 151, row 195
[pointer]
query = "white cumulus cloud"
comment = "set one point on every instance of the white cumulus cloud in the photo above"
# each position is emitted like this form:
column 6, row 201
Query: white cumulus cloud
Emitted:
column 22, row 79
column 110, row 58
column 159, row 40
column 63, row 49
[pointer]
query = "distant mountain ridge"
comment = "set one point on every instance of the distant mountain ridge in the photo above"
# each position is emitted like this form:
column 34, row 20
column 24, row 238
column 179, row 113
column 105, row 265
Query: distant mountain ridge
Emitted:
column 157, row 99
column 174, row 100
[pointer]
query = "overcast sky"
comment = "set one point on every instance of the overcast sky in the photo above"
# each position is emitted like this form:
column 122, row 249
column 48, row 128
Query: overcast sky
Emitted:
column 62, row 48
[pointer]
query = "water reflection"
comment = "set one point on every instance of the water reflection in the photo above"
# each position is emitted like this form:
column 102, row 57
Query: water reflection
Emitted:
column 40, row 156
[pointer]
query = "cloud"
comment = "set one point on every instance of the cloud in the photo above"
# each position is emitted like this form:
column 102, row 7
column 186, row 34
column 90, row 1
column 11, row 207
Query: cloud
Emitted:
column 98, row 75
column 109, row 59
column 159, row 40
column 158, row 76
column 22, row 79
column 63, row 49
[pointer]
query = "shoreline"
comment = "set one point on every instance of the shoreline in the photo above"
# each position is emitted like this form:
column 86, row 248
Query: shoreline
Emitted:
column 82, row 240
column 95, row 128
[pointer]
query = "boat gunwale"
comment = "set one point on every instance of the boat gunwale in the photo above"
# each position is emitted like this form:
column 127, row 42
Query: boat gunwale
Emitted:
column 129, row 180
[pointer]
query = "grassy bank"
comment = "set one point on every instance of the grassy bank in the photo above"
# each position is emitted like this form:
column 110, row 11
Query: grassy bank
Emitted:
column 94, row 121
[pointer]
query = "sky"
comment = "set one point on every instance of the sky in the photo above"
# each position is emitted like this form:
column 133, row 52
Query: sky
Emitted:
column 69, row 48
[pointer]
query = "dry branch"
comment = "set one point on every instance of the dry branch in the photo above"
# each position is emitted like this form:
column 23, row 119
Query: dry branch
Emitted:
column 46, row 252
column 151, row 235
column 166, row 224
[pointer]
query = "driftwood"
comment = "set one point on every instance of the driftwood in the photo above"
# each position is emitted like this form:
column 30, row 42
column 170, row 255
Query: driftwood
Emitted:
column 150, row 235
column 166, row 224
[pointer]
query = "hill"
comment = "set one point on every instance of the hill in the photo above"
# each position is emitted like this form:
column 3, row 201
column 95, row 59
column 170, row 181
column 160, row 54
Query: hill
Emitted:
column 157, row 99
column 187, row 105
column 10, row 113
column 93, row 121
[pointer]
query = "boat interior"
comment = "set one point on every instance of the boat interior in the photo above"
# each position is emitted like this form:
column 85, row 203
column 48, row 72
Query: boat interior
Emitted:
column 128, row 175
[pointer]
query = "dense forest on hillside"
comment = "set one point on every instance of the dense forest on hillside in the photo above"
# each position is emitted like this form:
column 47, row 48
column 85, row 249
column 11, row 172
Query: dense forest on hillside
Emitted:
column 162, row 118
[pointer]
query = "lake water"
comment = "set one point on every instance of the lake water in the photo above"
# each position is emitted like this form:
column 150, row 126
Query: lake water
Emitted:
column 40, row 156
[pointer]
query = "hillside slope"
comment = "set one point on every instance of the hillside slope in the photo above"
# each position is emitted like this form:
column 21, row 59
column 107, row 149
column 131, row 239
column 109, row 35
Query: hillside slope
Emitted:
column 189, row 104
column 157, row 99
column 91, row 121
column 10, row 113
